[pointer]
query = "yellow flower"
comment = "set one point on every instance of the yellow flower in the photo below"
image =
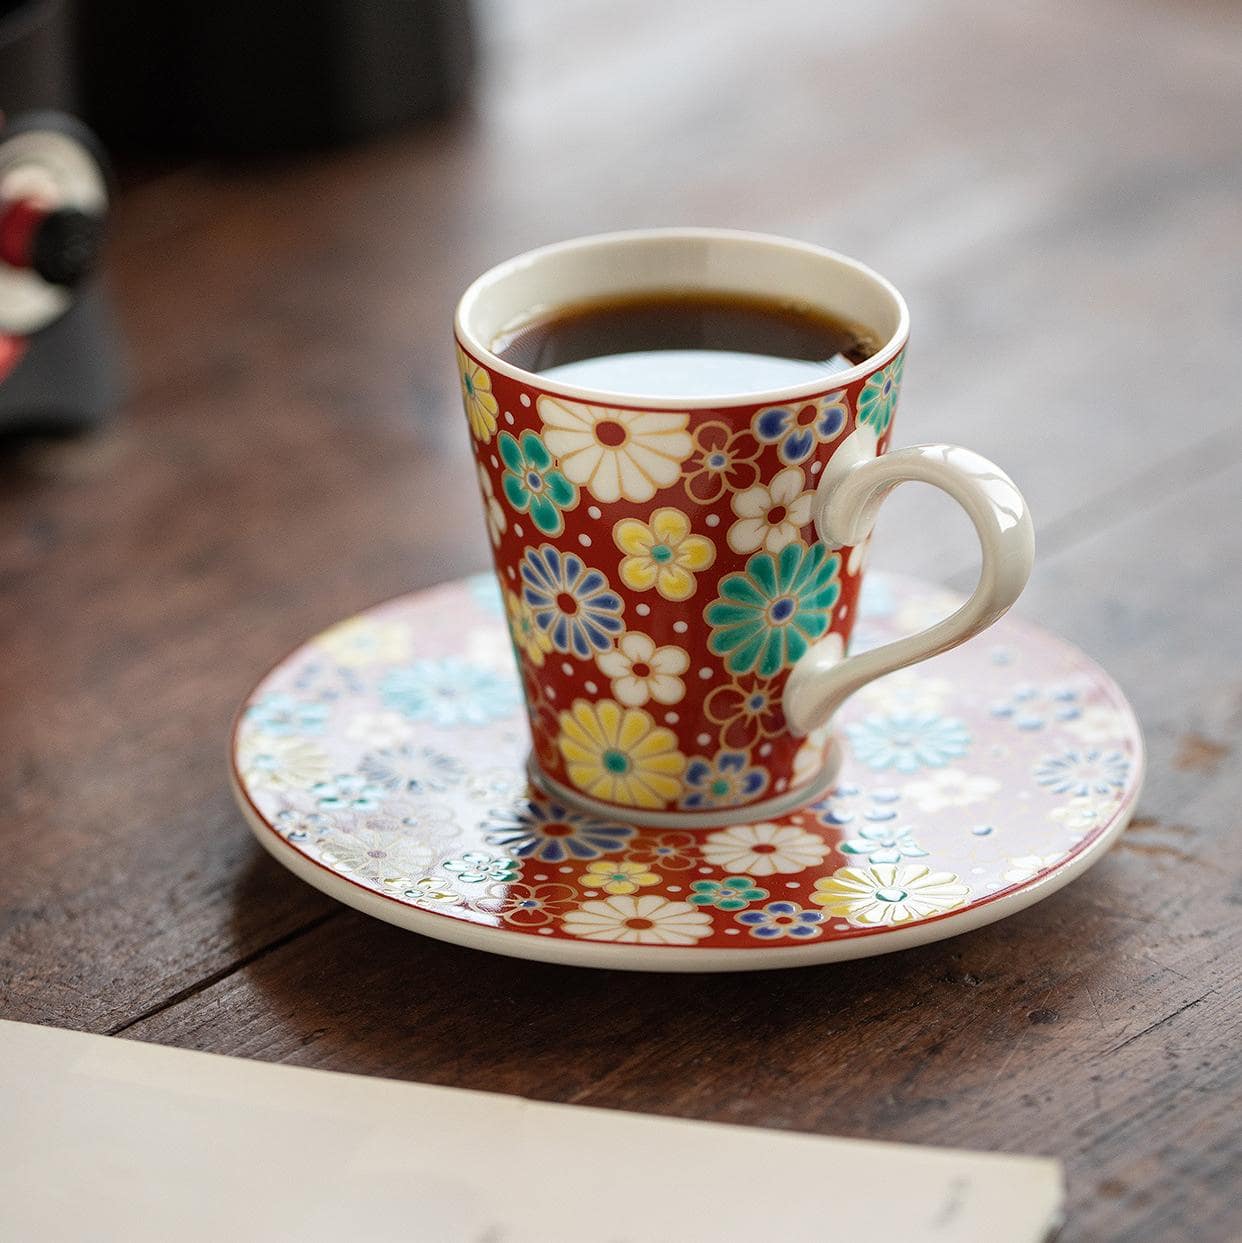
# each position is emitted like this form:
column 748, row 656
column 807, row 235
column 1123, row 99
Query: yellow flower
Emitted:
column 620, row 755
column 476, row 395
column 889, row 893
column 615, row 453
column 268, row 760
column 364, row 641
column 532, row 642
column 662, row 554
column 614, row 877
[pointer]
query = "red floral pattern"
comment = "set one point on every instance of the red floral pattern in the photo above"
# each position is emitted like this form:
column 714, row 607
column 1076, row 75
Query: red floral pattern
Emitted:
column 656, row 493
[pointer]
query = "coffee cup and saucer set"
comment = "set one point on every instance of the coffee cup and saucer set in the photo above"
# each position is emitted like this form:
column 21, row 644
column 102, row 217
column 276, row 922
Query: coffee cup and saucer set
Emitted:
column 674, row 730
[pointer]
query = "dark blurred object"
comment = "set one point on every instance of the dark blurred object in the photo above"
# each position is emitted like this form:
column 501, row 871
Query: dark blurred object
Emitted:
column 36, row 70
column 241, row 76
column 59, row 366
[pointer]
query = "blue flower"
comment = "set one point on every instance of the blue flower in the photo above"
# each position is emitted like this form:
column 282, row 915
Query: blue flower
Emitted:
column 450, row 691
column 1084, row 772
column 798, row 427
column 782, row 919
column 883, row 843
column 908, row 743
column 572, row 604
column 411, row 770
column 549, row 831
column 725, row 780
column 474, row 867
column 880, row 838
column 839, row 808
column 1029, row 708
column 283, row 715
column 347, row 792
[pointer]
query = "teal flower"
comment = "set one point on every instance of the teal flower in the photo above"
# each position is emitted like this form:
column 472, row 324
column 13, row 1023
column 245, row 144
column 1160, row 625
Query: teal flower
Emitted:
column 347, row 792
column 450, row 692
column 734, row 893
column 765, row 618
column 878, row 399
column 882, row 843
column 287, row 717
column 531, row 484
column 908, row 742
column 475, row 867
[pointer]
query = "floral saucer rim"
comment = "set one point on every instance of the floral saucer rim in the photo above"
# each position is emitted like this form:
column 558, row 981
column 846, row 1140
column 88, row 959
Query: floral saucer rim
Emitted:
column 679, row 959
column 982, row 909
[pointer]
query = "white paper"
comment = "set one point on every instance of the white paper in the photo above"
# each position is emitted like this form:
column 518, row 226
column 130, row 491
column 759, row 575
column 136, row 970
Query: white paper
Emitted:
column 110, row 1139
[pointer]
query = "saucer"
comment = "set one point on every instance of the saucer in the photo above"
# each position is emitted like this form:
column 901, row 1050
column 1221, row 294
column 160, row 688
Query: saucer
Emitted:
column 384, row 762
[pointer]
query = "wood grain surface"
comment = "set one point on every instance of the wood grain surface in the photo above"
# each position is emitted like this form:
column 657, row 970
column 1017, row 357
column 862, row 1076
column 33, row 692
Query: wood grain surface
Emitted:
column 1058, row 191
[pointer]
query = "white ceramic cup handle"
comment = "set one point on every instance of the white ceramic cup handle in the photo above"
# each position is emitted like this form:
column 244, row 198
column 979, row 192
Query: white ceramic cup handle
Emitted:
column 848, row 499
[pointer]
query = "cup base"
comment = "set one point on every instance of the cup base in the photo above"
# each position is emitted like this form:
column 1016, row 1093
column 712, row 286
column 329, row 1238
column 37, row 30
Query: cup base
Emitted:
column 769, row 808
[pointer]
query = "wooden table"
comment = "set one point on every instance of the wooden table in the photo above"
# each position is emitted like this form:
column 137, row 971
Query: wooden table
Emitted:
column 1057, row 189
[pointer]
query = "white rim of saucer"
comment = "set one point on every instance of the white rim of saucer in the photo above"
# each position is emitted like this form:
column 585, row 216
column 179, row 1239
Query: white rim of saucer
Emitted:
column 678, row 959
column 493, row 278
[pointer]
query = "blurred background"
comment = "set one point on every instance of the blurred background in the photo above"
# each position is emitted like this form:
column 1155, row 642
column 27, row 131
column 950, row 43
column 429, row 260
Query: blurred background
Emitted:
column 302, row 190
column 235, row 420
column 1054, row 190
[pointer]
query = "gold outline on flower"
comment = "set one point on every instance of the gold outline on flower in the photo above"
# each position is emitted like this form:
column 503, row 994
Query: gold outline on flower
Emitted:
column 639, row 670
column 612, row 453
column 662, row 554
column 620, row 755
column 477, row 397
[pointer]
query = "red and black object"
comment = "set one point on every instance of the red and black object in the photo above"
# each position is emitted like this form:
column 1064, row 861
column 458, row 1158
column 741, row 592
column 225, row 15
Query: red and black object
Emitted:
column 59, row 355
column 60, row 244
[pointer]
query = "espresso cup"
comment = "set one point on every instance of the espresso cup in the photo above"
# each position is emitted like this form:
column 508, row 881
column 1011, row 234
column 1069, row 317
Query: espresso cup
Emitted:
column 670, row 679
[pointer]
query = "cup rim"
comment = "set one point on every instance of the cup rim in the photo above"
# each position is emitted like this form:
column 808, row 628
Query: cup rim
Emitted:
column 603, row 397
